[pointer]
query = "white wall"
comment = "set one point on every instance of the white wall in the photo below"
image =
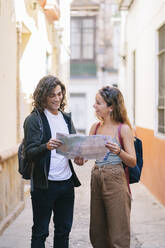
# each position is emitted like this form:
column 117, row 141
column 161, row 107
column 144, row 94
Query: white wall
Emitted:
column 142, row 22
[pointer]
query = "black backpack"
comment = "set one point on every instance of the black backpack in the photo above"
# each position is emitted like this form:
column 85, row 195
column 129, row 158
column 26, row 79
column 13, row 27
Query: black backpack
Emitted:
column 133, row 174
column 25, row 167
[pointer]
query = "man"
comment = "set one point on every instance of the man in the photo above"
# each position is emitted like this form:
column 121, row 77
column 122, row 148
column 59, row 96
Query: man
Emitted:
column 53, row 177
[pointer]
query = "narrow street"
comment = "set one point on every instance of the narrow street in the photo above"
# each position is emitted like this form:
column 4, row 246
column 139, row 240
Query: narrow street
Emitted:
column 87, row 45
column 147, row 220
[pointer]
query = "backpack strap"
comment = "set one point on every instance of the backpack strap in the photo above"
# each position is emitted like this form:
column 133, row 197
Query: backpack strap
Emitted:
column 125, row 167
column 119, row 135
column 96, row 128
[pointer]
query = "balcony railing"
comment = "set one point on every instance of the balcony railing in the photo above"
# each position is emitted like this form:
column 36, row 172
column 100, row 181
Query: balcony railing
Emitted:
column 11, row 188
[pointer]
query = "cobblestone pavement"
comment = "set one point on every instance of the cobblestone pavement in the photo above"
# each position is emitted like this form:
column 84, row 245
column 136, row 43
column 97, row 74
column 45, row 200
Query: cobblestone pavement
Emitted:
column 148, row 220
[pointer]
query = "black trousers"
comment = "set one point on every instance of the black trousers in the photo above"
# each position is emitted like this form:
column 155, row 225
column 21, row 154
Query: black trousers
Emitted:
column 59, row 199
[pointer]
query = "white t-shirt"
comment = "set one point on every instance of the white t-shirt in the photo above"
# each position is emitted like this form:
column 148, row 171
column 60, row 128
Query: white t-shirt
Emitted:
column 59, row 165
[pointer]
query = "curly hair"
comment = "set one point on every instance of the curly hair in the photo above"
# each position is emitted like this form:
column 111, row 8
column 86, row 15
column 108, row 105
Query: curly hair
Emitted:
column 113, row 97
column 44, row 89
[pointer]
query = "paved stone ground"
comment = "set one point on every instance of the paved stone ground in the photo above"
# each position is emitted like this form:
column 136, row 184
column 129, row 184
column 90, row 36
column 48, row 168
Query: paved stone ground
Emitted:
column 147, row 220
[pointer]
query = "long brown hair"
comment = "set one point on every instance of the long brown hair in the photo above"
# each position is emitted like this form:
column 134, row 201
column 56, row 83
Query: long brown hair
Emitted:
column 44, row 89
column 113, row 97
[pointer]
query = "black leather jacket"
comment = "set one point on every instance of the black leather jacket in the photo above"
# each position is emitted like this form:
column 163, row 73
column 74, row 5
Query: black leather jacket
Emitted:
column 36, row 151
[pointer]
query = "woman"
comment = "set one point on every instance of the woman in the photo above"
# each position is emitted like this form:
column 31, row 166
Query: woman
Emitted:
column 110, row 197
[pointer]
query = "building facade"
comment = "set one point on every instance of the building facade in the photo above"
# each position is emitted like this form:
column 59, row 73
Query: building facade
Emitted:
column 142, row 79
column 95, row 34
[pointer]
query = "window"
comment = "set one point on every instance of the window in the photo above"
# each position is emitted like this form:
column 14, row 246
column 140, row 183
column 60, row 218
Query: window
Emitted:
column 83, row 46
column 161, row 89
column 75, row 39
column 82, row 38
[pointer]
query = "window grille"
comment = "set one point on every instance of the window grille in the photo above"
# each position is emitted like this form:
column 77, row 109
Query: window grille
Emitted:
column 82, row 38
column 161, row 91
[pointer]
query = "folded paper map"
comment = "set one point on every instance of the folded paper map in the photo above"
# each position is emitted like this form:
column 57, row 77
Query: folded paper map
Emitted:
column 87, row 147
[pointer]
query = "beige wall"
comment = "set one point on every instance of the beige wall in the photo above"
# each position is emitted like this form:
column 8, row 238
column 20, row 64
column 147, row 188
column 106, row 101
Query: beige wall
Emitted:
column 7, row 76
column 11, row 191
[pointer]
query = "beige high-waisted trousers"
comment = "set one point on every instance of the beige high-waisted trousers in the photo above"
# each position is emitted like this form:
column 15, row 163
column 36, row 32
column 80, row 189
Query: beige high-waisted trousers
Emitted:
column 110, row 208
